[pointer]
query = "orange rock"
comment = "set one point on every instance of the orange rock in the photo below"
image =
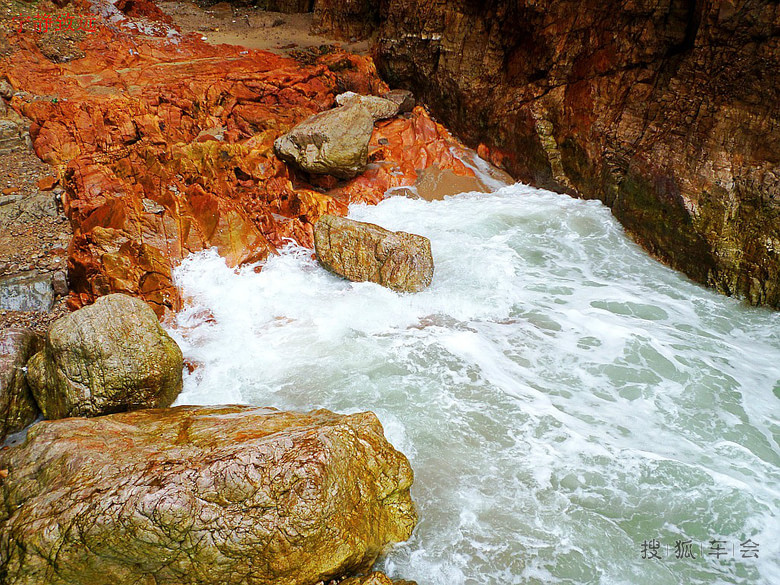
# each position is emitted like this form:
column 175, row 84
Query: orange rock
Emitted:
column 164, row 146
column 47, row 183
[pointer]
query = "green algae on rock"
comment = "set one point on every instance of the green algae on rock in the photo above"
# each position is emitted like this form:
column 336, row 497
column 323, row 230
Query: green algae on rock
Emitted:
column 108, row 357
column 17, row 406
column 362, row 252
column 209, row 495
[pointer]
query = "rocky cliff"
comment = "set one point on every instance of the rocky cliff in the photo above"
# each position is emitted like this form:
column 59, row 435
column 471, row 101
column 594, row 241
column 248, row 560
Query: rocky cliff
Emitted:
column 666, row 110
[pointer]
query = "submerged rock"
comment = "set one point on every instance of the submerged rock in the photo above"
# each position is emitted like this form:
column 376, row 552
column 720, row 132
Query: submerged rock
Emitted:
column 201, row 495
column 17, row 405
column 108, row 357
column 330, row 143
column 363, row 251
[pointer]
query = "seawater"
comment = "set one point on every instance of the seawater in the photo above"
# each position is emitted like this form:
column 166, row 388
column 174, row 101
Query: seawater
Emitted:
column 566, row 402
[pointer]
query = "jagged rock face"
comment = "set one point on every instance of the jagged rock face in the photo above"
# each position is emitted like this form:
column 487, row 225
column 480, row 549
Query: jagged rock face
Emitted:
column 17, row 405
column 201, row 495
column 361, row 251
column 666, row 111
column 108, row 357
column 164, row 145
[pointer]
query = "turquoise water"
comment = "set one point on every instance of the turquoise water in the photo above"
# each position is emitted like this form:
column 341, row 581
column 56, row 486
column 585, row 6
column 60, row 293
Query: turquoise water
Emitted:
column 562, row 397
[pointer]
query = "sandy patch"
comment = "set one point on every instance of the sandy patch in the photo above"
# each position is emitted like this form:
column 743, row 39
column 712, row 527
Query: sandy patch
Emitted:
column 250, row 27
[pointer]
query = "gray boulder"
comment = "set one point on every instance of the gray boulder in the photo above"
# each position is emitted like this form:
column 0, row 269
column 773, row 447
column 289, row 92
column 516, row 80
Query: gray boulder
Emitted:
column 329, row 143
column 362, row 251
column 17, row 405
column 108, row 357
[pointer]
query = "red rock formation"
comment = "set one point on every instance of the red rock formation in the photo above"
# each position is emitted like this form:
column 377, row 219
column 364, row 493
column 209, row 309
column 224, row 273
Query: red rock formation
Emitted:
column 164, row 145
column 666, row 111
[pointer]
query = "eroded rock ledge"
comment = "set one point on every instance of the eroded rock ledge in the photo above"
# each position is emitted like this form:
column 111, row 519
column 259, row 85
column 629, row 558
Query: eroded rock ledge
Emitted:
column 666, row 111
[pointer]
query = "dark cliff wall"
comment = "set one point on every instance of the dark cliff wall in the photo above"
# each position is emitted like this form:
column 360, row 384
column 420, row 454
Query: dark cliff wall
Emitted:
column 666, row 110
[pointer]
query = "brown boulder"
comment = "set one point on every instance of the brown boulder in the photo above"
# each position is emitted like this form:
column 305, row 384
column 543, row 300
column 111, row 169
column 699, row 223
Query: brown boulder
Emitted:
column 228, row 495
column 17, row 405
column 362, row 251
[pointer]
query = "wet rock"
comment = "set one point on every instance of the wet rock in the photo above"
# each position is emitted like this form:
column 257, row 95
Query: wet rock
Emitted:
column 330, row 143
column 210, row 495
column 379, row 108
column 376, row 578
column 17, row 405
column 108, row 357
column 403, row 98
column 362, row 251
column 27, row 291
column 610, row 100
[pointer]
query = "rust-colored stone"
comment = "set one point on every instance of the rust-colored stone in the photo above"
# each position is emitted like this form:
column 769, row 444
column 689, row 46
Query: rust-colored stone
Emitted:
column 47, row 183
column 164, row 146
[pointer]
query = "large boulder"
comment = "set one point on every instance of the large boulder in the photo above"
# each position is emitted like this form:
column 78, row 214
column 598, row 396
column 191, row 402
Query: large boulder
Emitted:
column 201, row 495
column 363, row 251
column 108, row 357
column 334, row 142
column 17, row 406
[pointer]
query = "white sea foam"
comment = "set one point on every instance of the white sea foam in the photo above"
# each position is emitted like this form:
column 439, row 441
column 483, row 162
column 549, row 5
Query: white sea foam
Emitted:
column 561, row 396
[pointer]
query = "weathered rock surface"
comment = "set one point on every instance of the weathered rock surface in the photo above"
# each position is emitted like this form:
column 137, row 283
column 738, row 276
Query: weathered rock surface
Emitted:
column 17, row 406
column 666, row 111
column 108, row 357
column 28, row 291
column 379, row 107
column 330, row 143
column 403, row 98
column 164, row 146
column 201, row 495
column 375, row 578
column 346, row 19
column 362, row 251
